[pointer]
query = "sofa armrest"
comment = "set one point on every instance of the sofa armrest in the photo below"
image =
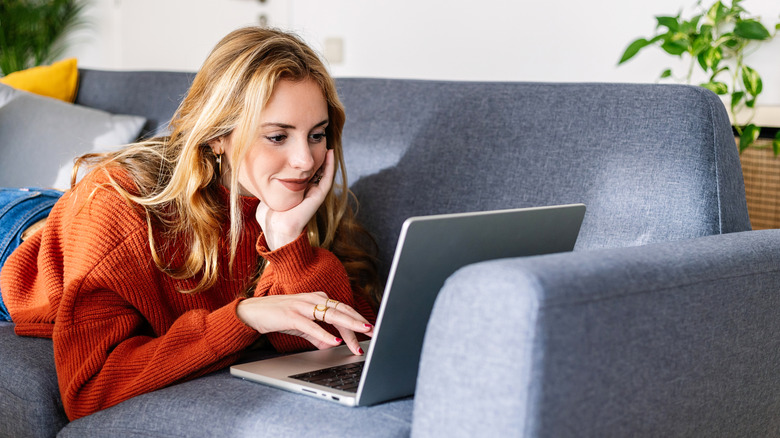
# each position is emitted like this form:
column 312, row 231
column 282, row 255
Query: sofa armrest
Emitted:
column 670, row 339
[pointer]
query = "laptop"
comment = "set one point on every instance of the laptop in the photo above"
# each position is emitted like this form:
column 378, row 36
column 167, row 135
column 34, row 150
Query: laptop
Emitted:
column 429, row 250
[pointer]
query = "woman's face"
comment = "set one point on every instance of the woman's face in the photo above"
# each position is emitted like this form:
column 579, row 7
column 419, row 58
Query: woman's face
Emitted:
column 289, row 149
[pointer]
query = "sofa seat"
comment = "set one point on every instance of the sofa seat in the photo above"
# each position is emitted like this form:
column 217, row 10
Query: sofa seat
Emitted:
column 215, row 405
column 30, row 400
column 222, row 405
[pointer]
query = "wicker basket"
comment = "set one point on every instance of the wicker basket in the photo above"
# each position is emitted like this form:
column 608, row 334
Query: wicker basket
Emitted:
column 761, row 170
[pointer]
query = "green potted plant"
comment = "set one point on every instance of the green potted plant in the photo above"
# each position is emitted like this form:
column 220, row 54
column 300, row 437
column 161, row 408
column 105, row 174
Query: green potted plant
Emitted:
column 716, row 39
column 32, row 32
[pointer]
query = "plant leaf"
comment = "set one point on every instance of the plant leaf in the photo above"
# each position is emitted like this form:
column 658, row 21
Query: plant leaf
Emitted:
column 701, row 43
column 702, row 61
column 676, row 46
column 633, row 49
column 751, row 30
column 776, row 144
column 736, row 97
column 729, row 40
column 715, row 73
column 716, row 87
column 716, row 12
column 669, row 22
column 749, row 135
column 695, row 21
column 666, row 73
column 752, row 81
column 710, row 58
column 657, row 38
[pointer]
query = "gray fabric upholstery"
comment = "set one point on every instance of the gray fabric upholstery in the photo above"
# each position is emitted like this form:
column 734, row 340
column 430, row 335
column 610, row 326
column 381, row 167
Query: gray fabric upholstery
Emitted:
column 652, row 163
column 154, row 95
column 33, row 126
column 30, row 404
column 670, row 339
column 220, row 405
column 650, row 340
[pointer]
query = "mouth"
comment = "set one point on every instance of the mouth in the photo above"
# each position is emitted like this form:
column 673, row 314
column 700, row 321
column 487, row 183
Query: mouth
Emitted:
column 295, row 185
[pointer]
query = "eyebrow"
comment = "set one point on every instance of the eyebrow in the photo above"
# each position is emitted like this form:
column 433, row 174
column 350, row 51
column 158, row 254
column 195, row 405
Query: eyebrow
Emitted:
column 286, row 126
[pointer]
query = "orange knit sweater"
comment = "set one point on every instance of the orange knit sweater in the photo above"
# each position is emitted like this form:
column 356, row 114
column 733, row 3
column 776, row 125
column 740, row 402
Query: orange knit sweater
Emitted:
column 120, row 326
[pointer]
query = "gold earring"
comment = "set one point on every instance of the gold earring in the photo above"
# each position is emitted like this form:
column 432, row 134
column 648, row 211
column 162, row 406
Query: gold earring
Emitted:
column 219, row 164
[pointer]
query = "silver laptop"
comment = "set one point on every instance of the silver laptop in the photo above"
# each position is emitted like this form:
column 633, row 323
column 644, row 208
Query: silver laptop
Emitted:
column 430, row 249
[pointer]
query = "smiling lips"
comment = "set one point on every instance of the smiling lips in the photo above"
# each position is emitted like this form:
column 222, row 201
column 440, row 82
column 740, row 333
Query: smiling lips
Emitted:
column 295, row 185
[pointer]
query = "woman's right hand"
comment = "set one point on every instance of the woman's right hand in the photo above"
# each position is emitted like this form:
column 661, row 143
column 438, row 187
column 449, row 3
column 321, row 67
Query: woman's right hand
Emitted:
column 295, row 314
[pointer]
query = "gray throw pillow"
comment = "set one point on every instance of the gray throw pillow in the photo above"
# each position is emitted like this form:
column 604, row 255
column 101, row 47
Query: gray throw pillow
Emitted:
column 40, row 137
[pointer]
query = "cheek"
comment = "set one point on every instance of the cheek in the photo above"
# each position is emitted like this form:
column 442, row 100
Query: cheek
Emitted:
column 255, row 170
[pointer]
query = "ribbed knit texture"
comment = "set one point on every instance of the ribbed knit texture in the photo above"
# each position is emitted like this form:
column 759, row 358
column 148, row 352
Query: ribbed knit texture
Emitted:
column 120, row 326
column 298, row 268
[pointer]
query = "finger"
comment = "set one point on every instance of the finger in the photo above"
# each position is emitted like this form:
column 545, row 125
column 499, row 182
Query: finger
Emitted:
column 319, row 345
column 353, row 323
column 328, row 170
column 347, row 310
column 351, row 340
column 315, row 334
column 344, row 324
column 365, row 326
column 316, row 297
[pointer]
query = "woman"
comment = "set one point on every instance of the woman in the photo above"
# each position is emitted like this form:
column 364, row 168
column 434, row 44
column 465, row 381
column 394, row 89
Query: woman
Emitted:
column 175, row 254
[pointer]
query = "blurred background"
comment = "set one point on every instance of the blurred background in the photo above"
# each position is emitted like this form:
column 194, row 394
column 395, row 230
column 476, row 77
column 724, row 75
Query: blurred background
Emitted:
column 488, row 40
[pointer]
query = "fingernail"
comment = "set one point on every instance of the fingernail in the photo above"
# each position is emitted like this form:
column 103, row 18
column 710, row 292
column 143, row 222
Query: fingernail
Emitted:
column 360, row 350
column 367, row 325
column 339, row 340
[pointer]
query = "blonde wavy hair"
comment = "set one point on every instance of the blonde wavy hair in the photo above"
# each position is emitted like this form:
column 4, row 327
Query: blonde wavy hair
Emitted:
column 177, row 178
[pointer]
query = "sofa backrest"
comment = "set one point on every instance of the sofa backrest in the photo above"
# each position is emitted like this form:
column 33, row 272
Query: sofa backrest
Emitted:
column 151, row 94
column 651, row 162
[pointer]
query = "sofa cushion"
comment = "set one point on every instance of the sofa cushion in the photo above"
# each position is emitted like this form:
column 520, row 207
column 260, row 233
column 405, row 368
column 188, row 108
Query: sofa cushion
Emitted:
column 30, row 404
column 222, row 405
column 59, row 80
column 33, row 126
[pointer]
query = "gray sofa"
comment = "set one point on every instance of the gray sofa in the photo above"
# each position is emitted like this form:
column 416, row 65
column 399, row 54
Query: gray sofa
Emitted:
column 662, row 322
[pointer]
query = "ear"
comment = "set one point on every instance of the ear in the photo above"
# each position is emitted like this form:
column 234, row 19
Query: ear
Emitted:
column 218, row 145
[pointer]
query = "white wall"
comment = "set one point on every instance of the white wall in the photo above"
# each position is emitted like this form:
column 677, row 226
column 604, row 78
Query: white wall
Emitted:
column 552, row 40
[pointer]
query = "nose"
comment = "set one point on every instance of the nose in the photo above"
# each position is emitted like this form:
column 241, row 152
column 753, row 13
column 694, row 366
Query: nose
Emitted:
column 301, row 157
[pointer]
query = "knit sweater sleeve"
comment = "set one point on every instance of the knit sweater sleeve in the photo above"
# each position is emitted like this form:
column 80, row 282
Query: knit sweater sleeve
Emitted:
column 299, row 267
column 119, row 330
column 105, row 352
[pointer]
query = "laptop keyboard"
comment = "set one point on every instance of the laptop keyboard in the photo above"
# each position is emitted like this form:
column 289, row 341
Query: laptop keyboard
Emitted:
column 344, row 377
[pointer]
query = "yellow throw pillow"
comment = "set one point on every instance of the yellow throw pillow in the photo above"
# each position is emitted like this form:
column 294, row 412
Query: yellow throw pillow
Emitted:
column 59, row 80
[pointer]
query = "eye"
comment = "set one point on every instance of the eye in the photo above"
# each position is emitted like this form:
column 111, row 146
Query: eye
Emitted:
column 318, row 137
column 278, row 139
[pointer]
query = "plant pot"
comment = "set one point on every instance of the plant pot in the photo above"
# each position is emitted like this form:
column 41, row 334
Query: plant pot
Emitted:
column 761, row 170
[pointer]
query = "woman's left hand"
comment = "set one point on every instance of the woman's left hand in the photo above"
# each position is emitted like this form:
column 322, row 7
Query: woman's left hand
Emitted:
column 282, row 227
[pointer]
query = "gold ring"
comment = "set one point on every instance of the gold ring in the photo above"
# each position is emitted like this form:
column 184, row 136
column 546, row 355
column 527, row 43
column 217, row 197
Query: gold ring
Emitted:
column 327, row 303
column 316, row 309
column 323, row 314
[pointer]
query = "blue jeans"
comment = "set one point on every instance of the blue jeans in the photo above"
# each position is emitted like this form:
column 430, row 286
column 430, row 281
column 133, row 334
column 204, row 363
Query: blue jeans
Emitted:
column 20, row 208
